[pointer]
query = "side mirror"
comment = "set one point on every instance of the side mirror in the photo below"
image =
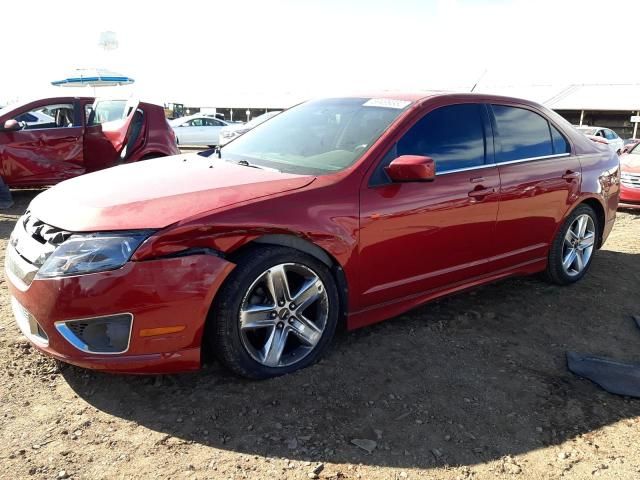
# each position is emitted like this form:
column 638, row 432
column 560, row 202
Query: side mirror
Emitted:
column 11, row 125
column 412, row 168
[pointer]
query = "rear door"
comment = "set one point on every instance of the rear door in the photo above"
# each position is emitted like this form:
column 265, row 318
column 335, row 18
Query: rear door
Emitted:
column 417, row 237
column 212, row 128
column 107, row 131
column 540, row 179
column 48, row 149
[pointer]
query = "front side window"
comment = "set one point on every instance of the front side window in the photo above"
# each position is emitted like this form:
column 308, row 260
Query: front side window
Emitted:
column 316, row 137
column 522, row 134
column 59, row 115
column 453, row 136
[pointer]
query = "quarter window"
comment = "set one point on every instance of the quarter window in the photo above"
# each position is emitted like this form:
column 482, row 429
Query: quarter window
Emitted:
column 521, row 134
column 453, row 136
column 560, row 144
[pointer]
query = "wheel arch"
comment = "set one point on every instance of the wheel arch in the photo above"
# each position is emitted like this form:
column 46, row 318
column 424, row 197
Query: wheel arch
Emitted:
column 311, row 249
column 597, row 207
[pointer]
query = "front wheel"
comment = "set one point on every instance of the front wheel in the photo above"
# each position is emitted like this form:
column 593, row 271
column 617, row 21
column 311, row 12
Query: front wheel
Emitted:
column 276, row 313
column 572, row 250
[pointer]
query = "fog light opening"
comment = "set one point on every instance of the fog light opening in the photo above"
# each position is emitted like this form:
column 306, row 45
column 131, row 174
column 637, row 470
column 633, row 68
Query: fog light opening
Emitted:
column 105, row 335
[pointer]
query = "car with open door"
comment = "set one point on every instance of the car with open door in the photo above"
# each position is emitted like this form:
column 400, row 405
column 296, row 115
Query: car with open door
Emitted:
column 339, row 211
column 77, row 135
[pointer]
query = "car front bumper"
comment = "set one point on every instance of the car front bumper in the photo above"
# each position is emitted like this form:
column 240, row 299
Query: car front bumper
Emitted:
column 629, row 196
column 160, row 296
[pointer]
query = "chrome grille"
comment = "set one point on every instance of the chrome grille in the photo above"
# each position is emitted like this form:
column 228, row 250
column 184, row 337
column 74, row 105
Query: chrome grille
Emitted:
column 31, row 243
column 631, row 180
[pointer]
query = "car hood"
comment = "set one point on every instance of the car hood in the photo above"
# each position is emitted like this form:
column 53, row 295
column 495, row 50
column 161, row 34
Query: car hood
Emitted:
column 156, row 193
column 630, row 163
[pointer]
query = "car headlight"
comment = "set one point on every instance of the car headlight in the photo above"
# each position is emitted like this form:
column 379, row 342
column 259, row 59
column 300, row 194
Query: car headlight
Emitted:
column 92, row 253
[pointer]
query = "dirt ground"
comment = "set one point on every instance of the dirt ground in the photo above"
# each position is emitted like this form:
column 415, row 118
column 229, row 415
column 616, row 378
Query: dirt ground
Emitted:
column 473, row 386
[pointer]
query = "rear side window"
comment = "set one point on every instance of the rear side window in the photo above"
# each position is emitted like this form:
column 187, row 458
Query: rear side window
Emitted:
column 521, row 133
column 453, row 136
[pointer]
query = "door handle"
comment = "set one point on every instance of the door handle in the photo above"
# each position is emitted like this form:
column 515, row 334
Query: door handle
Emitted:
column 479, row 192
column 571, row 175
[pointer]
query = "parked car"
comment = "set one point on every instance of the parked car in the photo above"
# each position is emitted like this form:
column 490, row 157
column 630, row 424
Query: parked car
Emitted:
column 337, row 211
column 230, row 132
column 611, row 137
column 629, row 143
column 630, row 178
column 83, row 135
column 197, row 130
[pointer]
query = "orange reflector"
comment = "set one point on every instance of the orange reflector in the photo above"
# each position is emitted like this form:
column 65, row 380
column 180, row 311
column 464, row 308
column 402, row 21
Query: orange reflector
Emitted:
column 152, row 332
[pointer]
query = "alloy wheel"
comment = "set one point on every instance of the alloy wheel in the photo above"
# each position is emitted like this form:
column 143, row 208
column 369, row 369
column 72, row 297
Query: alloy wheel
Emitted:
column 283, row 315
column 578, row 245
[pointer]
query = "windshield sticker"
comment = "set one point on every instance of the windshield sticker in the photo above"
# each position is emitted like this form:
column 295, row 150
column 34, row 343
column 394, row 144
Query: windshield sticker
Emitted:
column 386, row 103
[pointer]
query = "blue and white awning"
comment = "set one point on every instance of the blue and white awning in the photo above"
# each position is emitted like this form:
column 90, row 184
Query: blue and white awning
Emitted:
column 93, row 77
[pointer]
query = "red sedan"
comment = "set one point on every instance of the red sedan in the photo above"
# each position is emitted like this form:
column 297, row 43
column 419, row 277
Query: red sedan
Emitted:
column 53, row 139
column 338, row 211
column 630, row 178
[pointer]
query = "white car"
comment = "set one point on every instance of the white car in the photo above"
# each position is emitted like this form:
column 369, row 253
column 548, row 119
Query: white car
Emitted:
column 197, row 130
column 613, row 140
column 230, row 132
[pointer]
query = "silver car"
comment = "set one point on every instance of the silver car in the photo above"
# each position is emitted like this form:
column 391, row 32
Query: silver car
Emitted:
column 230, row 132
column 197, row 130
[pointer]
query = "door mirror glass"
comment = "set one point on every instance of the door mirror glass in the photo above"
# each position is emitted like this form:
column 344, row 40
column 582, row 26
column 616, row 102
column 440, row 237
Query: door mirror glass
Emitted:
column 412, row 168
column 11, row 125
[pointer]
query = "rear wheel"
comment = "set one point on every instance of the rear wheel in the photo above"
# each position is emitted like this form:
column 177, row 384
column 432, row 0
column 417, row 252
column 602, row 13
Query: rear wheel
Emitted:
column 276, row 313
column 572, row 250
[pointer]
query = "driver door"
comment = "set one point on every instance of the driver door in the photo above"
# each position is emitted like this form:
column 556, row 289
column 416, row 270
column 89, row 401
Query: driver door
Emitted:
column 107, row 131
column 47, row 150
column 417, row 237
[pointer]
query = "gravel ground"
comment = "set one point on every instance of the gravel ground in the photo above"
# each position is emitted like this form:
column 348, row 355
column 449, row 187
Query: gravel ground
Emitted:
column 473, row 386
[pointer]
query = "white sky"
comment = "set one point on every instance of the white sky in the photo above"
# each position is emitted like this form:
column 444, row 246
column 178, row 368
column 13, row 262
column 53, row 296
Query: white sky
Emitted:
column 202, row 53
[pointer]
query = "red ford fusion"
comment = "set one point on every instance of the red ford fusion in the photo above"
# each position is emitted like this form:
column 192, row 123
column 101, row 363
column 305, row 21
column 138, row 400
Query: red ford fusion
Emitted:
column 337, row 211
column 49, row 140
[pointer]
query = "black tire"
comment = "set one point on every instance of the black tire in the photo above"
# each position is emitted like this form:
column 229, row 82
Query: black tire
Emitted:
column 223, row 330
column 555, row 272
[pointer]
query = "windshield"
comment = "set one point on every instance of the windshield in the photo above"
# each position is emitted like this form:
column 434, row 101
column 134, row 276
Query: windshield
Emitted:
column 635, row 150
column 316, row 137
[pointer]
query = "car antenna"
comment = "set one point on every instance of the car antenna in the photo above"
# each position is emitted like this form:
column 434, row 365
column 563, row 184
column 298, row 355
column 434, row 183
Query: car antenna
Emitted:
column 478, row 81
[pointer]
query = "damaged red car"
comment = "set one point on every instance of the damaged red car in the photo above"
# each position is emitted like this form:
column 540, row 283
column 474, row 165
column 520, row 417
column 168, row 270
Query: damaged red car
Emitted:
column 340, row 211
column 49, row 140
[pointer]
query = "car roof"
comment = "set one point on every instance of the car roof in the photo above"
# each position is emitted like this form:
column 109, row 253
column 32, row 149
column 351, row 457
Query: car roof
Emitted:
column 420, row 97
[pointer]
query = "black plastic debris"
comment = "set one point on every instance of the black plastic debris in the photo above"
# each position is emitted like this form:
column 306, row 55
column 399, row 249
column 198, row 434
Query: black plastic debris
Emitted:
column 615, row 377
